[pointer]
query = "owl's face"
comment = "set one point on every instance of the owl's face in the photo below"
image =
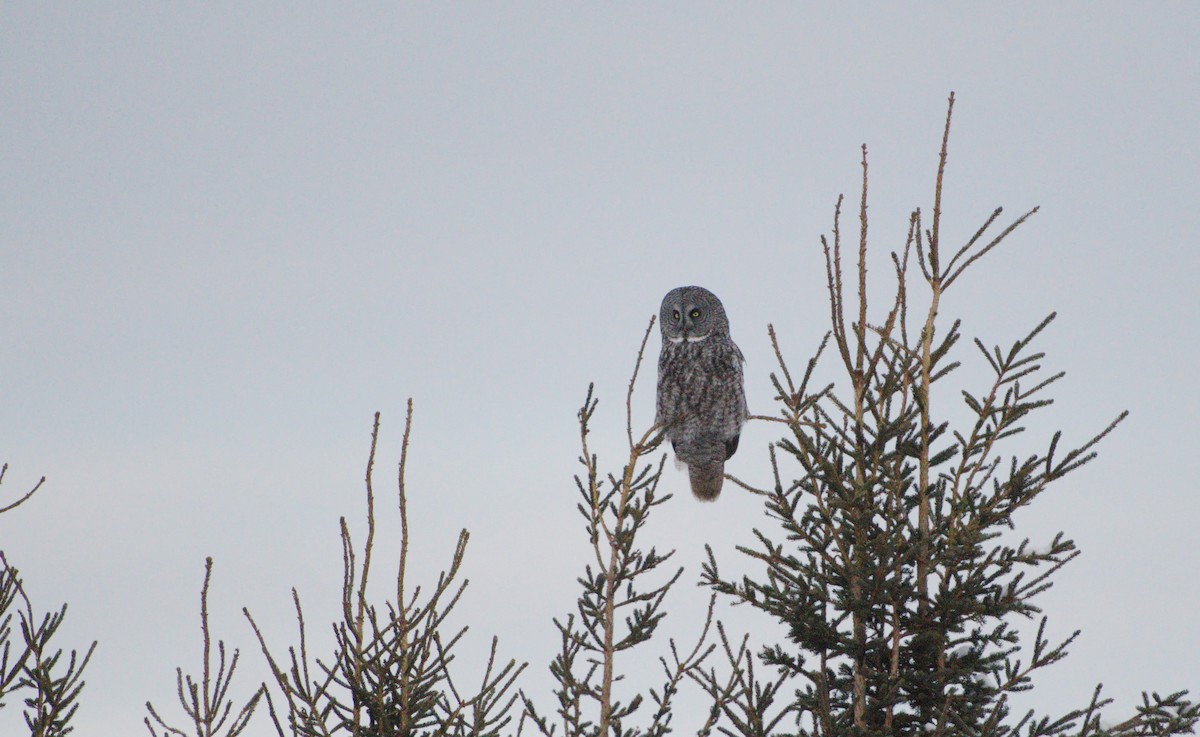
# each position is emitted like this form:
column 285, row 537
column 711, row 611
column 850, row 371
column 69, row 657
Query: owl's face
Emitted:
column 692, row 314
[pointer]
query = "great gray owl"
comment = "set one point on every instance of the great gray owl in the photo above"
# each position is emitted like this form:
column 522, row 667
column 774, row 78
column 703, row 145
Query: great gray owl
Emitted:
column 701, row 394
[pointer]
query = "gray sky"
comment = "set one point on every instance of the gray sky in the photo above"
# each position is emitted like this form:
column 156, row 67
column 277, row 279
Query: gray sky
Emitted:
column 230, row 234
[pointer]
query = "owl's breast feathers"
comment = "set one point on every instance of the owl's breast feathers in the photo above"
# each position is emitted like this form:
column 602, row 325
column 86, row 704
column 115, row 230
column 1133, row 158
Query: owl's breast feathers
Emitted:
column 700, row 389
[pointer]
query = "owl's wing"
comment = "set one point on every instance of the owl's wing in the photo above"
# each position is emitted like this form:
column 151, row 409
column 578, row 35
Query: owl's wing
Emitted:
column 734, row 360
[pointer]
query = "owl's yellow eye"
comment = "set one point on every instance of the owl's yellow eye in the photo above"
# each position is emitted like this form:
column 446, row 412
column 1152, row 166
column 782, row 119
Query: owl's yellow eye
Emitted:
column 694, row 314
column 675, row 316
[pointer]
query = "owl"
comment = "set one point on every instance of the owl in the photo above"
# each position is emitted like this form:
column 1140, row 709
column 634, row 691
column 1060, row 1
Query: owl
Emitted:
column 701, row 394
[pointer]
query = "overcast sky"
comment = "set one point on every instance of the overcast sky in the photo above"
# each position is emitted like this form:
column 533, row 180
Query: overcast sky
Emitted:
column 230, row 234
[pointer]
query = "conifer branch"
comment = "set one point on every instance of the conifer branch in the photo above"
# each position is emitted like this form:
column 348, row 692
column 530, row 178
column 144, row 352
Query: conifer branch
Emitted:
column 615, row 507
column 206, row 702
column 25, row 497
column 51, row 686
column 390, row 672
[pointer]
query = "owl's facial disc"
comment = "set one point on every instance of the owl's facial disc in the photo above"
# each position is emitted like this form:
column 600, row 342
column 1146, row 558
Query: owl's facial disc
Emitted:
column 685, row 319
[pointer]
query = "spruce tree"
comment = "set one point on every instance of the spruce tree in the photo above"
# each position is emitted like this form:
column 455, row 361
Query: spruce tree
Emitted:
column 890, row 564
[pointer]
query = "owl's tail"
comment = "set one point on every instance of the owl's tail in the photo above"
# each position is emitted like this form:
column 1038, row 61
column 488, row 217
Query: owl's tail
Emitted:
column 706, row 480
